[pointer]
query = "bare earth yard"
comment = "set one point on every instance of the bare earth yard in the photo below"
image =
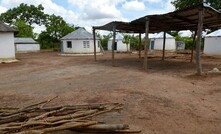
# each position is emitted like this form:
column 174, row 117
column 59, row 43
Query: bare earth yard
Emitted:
column 169, row 99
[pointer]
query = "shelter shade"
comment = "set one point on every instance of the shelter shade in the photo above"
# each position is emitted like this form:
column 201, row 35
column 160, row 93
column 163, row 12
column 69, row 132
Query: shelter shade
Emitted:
column 184, row 19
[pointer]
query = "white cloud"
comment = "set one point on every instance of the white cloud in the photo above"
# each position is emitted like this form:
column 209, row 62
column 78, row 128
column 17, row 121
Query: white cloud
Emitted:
column 87, row 13
column 97, row 9
column 153, row 1
column 2, row 9
column 134, row 5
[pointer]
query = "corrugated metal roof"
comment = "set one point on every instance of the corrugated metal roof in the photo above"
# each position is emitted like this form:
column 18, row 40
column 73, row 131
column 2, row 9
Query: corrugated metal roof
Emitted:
column 78, row 34
column 25, row 41
column 6, row 28
column 214, row 34
column 118, row 37
column 160, row 35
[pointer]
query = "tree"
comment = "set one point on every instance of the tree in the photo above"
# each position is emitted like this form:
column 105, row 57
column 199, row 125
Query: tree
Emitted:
column 126, row 40
column 24, row 29
column 104, row 39
column 29, row 14
column 56, row 28
column 179, row 4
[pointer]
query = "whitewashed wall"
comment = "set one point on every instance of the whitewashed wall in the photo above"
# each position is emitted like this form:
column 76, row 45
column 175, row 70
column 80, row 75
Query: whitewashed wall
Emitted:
column 212, row 45
column 120, row 45
column 170, row 44
column 27, row 47
column 77, row 46
column 7, row 47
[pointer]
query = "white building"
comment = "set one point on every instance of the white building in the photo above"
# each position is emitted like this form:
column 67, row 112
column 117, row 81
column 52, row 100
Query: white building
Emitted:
column 7, row 47
column 212, row 44
column 119, row 45
column 156, row 42
column 79, row 41
column 26, row 45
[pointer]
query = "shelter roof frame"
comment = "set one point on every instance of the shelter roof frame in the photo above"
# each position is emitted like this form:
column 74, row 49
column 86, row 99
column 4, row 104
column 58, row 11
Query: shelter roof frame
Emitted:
column 184, row 19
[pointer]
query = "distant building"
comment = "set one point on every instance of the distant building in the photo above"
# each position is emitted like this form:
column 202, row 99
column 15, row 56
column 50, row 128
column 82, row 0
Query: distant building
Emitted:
column 79, row 41
column 7, row 47
column 156, row 42
column 212, row 43
column 119, row 45
column 26, row 45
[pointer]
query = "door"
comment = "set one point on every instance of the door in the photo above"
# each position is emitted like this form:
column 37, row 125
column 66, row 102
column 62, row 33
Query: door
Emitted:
column 152, row 45
column 115, row 46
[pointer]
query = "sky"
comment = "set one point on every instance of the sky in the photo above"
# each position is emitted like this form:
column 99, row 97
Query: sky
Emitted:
column 88, row 13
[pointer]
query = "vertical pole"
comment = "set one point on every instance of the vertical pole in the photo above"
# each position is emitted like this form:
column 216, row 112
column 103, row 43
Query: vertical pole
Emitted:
column 94, row 37
column 139, row 45
column 146, row 43
column 113, row 45
column 194, row 39
column 164, row 44
column 198, row 43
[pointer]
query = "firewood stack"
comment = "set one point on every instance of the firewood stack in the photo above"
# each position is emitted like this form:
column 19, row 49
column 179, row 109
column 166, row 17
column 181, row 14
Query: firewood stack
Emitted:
column 39, row 119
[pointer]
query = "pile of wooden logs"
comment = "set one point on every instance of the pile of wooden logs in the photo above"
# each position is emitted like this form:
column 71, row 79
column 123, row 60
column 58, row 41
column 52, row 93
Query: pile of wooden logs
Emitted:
column 40, row 119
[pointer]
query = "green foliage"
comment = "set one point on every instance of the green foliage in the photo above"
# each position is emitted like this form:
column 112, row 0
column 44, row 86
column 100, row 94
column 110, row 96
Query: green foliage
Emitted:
column 24, row 16
column 179, row 4
column 104, row 39
column 56, row 27
column 134, row 42
column 126, row 40
column 24, row 29
column 29, row 14
column 188, row 41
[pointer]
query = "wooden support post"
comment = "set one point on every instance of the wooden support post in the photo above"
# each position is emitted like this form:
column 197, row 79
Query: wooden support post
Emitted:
column 139, row 45
column 164, row 44
column 198, row 43
column 94, row 38
column 113, row 45
column 146, row 43
column 194, row 39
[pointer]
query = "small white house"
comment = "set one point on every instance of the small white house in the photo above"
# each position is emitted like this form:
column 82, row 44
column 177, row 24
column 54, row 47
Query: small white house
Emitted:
column 156, row 42
column 119, row 45
column 79, row 41
column 212, row 44
column 7, row 47
column 26, row 45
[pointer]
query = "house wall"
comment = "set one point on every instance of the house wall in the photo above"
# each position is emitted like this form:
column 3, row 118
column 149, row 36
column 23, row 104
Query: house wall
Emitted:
column 27, row 47
column 212, row 46
column 7, row 48
column 77, row 46
column 120, row 45
column 170, row 44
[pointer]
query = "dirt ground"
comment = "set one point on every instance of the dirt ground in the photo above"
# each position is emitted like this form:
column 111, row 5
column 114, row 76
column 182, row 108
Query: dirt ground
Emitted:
column 169, row 99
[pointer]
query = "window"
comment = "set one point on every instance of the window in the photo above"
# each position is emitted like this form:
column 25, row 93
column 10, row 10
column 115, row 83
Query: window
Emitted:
column 69, row 44
column 86, row 44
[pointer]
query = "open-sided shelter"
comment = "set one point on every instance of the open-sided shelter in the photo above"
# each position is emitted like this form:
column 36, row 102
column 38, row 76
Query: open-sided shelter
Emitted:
column 79, row 41
column 23, row 45
column 195, row 18
column 212, row 44
column 7, row 47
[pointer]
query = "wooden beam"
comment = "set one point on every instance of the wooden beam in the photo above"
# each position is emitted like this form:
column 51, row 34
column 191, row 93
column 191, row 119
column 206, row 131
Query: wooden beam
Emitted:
column 194, row 39
column 113, row 45
column 146, row 43
column 164, row 44
column 198, row 43
column 94, row 38
column 139, row 45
